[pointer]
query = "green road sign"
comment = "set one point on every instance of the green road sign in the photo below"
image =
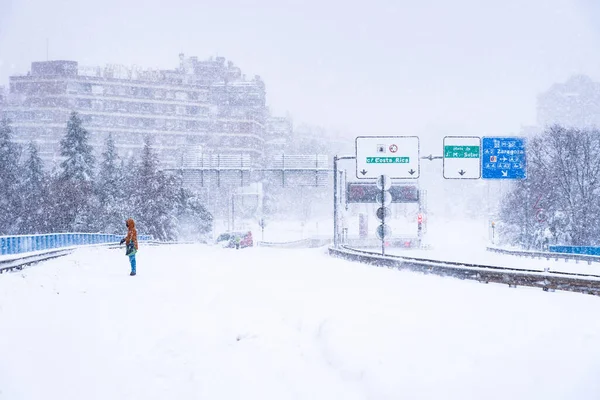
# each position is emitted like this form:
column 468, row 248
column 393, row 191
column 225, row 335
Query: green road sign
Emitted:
column 461, row 151
column 388, row 160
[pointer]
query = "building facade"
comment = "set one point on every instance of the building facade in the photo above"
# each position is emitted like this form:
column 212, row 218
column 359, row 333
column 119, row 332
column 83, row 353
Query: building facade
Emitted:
column 2, row 97
column 278, row 134
column 575, row 103
column 205, row 107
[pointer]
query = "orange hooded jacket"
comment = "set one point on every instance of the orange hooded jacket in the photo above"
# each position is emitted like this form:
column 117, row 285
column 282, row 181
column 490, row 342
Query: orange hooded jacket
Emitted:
column 131, row 233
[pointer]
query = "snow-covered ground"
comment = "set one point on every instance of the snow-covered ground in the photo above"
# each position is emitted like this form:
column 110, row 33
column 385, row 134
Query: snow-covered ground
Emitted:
column 201, row 322
column 483, row 257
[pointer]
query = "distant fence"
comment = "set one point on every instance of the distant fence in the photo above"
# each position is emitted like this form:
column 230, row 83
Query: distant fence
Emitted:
column 28, row 243
column 297, row 244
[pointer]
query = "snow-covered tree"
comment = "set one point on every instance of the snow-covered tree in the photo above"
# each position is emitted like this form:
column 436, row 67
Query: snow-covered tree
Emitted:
column 560, row 200
column 154, row 197
column 73, row 188
column 35, row 195
column 79, row 161
column 194, row 221
column 9, row 173
column 110, row 190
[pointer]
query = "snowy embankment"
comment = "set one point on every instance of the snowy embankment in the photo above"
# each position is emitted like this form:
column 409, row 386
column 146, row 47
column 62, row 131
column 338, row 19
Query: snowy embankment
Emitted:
column 466, row 242
column 207, row 323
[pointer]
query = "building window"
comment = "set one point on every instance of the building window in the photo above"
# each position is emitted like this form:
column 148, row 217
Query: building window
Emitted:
column 160, row 123
column 98, row 105
column 134, row 108
column 147, row 108
column 147, row 93
column 71, row 87
column 97, row 89
column 203, row 96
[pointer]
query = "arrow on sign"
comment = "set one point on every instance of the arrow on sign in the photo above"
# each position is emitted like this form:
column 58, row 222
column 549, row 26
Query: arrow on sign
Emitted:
column 461, row 172
column 504, row 173
column 412, row 171
column 431, row 157
column 364, row 172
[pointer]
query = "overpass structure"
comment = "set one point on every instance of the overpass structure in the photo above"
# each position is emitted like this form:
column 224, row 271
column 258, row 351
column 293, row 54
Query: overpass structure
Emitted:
column 238, row 170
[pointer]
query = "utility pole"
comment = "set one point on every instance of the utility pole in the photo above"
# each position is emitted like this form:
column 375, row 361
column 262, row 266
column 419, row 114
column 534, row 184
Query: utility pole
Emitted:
column 335, row 202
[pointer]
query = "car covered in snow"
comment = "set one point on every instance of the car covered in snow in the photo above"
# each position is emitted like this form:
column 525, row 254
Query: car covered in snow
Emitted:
column 237, row 240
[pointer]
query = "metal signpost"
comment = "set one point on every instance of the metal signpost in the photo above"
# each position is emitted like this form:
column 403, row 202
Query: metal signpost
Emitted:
column 384, row 199
column 462, row 157
column 504, row 158
column 394, row 156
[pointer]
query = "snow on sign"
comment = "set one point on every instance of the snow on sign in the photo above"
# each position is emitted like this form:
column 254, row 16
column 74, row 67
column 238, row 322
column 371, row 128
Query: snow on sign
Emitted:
column 394, row 156
column 504, row 158
column 462, row 157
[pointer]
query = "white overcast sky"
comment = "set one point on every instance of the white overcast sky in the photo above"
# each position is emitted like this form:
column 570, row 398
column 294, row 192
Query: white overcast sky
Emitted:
column 376, row 67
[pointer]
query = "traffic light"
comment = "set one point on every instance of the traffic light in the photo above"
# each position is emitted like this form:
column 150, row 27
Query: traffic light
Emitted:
column 367, row 193
column 420, row 218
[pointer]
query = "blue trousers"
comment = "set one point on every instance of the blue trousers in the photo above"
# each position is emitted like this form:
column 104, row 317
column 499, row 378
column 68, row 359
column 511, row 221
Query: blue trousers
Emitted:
column 132, row 262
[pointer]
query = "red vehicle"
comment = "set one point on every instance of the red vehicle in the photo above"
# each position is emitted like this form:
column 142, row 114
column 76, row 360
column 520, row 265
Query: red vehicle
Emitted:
column 237, row 240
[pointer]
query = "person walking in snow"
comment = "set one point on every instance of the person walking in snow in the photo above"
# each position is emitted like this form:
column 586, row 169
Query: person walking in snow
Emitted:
column 131, row 243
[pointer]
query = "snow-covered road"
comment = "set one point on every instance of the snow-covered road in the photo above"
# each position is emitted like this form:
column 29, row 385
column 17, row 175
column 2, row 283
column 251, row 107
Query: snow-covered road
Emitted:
column 206, row 323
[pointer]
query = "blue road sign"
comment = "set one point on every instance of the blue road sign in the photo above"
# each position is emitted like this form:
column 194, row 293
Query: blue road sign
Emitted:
column 503, row 158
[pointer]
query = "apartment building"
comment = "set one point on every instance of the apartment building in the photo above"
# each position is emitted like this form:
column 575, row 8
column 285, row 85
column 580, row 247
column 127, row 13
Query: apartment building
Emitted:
column 278, row 134
column 205, row 106
column 2, row 97
column 574, row 103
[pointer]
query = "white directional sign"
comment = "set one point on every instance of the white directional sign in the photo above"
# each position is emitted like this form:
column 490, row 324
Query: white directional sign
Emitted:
column 462, row 157
column 394, row 156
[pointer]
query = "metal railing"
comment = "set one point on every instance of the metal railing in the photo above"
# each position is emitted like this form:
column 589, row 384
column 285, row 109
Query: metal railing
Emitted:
column 29, row 243
column 547, row 280
column 298, row 162
column 18, row 263
column 548, row 255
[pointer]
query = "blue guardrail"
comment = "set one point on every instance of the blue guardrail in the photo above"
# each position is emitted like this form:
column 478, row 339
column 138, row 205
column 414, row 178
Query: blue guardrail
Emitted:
column 584, row 250
column 28, row 243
